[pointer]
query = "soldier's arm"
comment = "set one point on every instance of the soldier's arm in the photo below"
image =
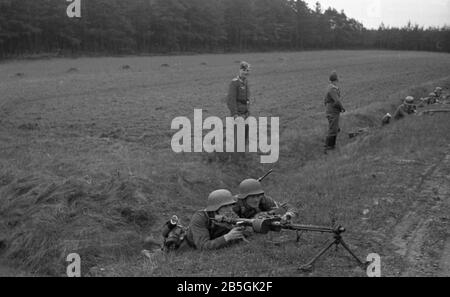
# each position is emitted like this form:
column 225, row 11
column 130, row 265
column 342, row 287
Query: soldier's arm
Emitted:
column 277, row 208
column 231, row 99
column 399, row 113
column 248, row 92
column 200, row 232
column 335, row 96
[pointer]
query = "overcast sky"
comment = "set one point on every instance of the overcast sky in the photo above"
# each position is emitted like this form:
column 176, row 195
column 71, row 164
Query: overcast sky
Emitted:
column 392, row 12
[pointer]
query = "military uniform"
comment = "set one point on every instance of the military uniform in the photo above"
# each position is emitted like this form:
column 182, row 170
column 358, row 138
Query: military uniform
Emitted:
column 205, row 234
column 238, row 99
column 432, row 98
column 333, row 110
column 386, row 119
column 266, row 204
column 404, row 110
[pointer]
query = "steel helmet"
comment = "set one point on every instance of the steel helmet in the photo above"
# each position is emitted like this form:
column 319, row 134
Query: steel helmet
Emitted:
column 438, row 91
column 218, row 199
column 249, row 187
column 409, row 100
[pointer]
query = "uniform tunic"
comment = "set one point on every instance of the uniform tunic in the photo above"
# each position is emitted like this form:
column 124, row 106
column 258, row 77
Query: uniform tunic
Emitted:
column 238, row 99
column 404, row 110
column 266, row 204
column 333, row 109
column 204, row 234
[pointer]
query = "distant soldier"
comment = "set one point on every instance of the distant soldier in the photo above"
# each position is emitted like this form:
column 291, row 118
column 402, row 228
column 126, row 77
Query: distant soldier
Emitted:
column 386, row 119
column 333, row 110
column 432, row 98
column 438, row 94
column 204, row 233
column 238, row 100
column 405, row 109
column 252, row 202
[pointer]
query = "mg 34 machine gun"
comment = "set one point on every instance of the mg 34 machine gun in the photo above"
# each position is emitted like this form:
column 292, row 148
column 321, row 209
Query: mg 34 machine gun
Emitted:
column 276, row 224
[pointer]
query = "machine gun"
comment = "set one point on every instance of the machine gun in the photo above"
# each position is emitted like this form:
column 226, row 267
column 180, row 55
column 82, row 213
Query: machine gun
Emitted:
column 276, row 224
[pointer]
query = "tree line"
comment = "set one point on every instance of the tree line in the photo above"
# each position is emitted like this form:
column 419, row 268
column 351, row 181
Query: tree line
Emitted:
column 160, row 26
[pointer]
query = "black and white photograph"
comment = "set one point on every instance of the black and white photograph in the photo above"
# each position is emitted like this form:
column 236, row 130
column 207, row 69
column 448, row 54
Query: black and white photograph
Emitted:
column 224, row 145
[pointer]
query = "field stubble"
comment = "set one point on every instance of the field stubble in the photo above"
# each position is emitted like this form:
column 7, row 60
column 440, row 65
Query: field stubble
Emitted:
column 86, row 163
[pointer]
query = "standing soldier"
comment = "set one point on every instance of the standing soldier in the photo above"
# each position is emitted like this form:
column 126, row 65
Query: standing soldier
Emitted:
column 333, row 110
column 405, row 109
column 238, row 99
column 204, row 233
column 251, row 202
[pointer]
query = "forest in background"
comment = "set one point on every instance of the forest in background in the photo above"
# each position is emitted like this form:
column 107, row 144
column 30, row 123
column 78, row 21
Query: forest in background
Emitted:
column 29, row 27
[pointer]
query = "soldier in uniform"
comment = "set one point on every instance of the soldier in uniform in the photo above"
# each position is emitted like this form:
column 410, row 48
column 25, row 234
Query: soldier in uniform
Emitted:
column 437, row 95
column 238, row 99
column 204, row 233
column 252, row 202
column 405, row 109
column 438, row 91
column 333, row 110
column 433, row 97
column 386, row 119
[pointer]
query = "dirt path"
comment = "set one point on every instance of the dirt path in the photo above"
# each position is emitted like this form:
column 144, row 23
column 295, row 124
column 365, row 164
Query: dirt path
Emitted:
column 422, row 237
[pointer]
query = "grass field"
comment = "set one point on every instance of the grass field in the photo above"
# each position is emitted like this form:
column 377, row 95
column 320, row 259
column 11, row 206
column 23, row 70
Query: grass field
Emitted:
column 86, row 164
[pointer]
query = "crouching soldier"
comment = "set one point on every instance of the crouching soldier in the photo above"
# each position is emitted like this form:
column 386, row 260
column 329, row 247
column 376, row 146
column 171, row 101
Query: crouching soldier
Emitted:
column 204, row 233
column 252, row 202
column 333, row 110
column 437, row 95
column 405, row 109
column 386, row 119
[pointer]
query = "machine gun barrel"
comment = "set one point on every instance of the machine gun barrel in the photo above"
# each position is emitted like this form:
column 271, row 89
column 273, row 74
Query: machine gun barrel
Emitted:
column 275, row 224
column 312, row 228
column 265, row 175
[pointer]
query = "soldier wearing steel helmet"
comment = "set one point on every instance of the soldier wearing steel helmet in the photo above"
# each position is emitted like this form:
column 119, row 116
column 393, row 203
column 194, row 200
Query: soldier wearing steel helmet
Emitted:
column 407, row 108
column 432, row 98
column 204, row 233
column 252, row 202
column 436, row 95
column 438, row 91
column 334, row 108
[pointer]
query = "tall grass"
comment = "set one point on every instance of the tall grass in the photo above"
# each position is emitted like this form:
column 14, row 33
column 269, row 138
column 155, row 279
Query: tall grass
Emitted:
column 43, row 218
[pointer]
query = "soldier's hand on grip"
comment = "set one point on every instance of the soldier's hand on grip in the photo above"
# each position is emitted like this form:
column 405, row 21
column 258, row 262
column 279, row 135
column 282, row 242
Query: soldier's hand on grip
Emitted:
column 234, row 234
